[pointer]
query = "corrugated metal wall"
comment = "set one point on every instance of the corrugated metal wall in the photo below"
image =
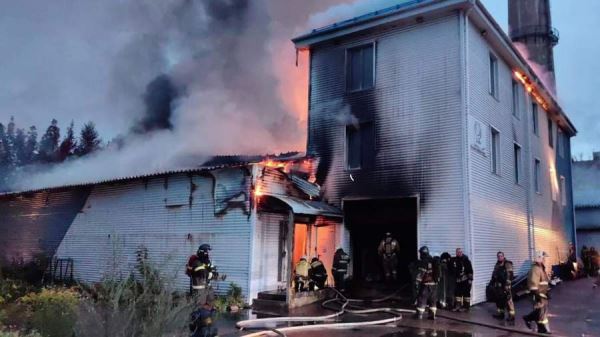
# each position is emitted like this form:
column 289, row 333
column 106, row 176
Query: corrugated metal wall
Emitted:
column 415, row 108
column 35, row 223
column 158, row 214
column 498, row 204
column 499, row 217
column 266, row 254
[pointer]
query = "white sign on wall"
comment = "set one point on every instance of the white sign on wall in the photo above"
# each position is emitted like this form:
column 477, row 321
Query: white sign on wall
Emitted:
column 478, row 135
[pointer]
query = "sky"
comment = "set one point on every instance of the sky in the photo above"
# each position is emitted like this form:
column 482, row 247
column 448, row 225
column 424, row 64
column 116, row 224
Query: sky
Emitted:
column 91, row 60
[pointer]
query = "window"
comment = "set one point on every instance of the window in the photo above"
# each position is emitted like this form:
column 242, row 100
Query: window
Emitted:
column 534, row 119
column 560, row 142
column 517, row 163
column 352, row 147
column 360, row 146
column 359, row 68
column 550, row 133
column 536, row 175
column 563, row 191
column 493, row 75
column 515, row 98
column 495, row 150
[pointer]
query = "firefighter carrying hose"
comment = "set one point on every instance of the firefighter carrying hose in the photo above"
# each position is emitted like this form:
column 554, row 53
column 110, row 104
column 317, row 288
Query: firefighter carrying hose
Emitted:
column 341, row 260
column 501, row 282
column 538, row 284
column 463, row 271
column 388, row 250
column 428, row 275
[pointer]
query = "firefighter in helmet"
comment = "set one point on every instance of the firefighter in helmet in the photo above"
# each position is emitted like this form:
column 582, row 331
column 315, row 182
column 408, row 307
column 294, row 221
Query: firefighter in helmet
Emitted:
column 501, row 282
column 388, row 250
column 203, row 272
column 341, row 260
column 538, row 283
column 463, row 271
column 428, row 275
column 301, row 275
column 317, row 274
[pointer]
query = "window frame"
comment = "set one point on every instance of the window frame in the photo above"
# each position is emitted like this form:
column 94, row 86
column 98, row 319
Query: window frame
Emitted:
column 518, row 162
column 493, row 80
column 347, row 148
column 560, row 142
column 535, row 114
column 537, row 172
column 550, row 133
column 495, row 147
column 563, row 190
column 347, row 72
column 516, row 99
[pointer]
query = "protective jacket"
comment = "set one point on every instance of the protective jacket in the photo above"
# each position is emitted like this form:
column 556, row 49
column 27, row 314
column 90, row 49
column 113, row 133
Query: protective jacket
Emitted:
column 203, row 272
column 463, row 270
column 317, row 271
column 340, row 262
column 388, row 247
column 428, row 271
column 538, row 281
column 503, row 274
column 302, row 268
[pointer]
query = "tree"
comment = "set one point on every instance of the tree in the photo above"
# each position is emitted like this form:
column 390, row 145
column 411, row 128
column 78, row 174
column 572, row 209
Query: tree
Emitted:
column 48, row 151
column 20, row 147
column 68, row 145
column 31, row 146
column 88, row 140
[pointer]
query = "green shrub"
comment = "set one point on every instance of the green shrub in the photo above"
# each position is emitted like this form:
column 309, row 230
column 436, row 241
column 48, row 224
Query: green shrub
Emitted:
column 53, row 311
column 11, row 290
column 232, row 298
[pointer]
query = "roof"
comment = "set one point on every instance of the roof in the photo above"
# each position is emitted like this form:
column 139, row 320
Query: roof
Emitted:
column 415, row 8
column 309, row 207
column 586, row 183
column 215, row 163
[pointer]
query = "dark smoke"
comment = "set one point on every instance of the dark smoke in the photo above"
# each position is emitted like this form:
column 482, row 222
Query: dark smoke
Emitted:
column 159, row 100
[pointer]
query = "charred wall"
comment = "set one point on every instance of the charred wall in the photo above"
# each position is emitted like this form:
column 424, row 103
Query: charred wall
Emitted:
column 35, row 223
column 414, row 112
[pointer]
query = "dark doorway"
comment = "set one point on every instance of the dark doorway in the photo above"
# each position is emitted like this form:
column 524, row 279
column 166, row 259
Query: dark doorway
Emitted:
column 368, row 221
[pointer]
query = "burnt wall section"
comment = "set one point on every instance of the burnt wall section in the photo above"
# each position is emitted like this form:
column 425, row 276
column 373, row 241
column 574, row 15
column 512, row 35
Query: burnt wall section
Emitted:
column 414, row 109
column 35, row 223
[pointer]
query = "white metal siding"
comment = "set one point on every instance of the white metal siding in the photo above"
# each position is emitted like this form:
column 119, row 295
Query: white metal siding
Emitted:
column 415, row 107
column 266, row 255
column 117, row 219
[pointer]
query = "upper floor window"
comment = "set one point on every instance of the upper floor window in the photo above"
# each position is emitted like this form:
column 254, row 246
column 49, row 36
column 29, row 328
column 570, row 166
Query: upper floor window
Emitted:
column 550, row 133
column 560, row 142
column 535, row 119
column 493, row 75
column 537, row 171
column 495, row 150
column 517, row 163
column 563, row 191
column 515, row 98
column 360, row 146
column 360, row 68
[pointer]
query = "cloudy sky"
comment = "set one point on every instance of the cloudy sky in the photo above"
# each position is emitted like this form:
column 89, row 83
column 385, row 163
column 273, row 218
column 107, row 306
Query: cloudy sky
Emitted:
column 91, row 60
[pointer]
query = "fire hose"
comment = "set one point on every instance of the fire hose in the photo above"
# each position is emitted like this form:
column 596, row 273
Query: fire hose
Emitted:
column 269, row 323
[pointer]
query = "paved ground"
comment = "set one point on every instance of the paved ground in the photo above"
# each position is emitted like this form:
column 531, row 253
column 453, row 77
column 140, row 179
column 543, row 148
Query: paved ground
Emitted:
column 574, row 312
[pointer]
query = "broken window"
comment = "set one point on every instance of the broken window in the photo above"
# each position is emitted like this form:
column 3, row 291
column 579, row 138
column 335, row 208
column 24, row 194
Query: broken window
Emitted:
column 517, row 154
column 359, row 68
column 360, row 146
column 353, row 151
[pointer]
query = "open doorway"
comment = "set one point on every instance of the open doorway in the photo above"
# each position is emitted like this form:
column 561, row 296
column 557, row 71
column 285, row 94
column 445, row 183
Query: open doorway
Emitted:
column 368, row 220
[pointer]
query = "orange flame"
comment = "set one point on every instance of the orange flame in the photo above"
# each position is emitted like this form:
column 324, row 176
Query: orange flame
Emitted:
column 529, row 86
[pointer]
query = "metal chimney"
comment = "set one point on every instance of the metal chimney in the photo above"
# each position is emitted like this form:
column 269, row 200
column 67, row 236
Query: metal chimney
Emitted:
column 530, row 23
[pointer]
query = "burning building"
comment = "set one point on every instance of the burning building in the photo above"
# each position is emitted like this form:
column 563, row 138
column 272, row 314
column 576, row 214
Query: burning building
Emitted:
column 429, row 123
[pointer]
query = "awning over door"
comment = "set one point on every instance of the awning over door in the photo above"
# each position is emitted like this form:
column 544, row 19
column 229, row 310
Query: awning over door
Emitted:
column 309, row 207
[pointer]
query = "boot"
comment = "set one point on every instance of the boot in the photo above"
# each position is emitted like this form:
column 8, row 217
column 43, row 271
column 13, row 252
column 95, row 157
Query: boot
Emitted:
column 544, row 328
column 499, row 315
column 432, row 312
column 510, row 318
column 457, row 305
column 419, row 314
column 527, row 322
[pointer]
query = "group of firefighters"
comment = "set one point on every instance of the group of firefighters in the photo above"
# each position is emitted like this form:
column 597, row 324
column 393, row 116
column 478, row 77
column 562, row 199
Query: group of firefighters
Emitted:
column 313, row 276
column 591, row 261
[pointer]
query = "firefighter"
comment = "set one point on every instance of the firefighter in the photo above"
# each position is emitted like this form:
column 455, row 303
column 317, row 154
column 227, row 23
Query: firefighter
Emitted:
column 501, row 282
column 446, row 284
column 572, row 262
column 202, row 322
column 538, row 284
column 593, row 257
column 428, row 274
column 585, row 259
column 317, row 274
column 388, row 251
column 203, row 272
column 341, row 260
column 463, row 271
column 301, row 275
